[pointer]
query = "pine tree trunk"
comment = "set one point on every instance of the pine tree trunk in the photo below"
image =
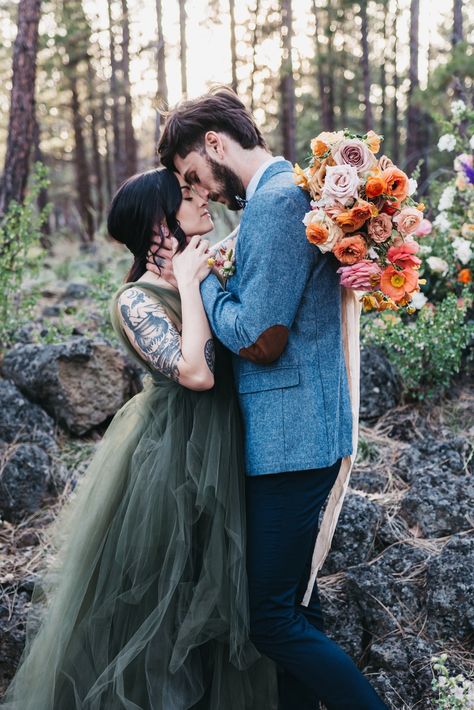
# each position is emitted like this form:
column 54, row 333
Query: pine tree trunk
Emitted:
column 395, row 155
column 109, row 183
column 119, row 163
column 22, row 105
column 129, row 133
column 368, row 119
column 233, row 45
column 413, row 113
column 288, row 109
column 330, row 67
column 323, row 94
column 96, row 157
column 255, row 34
column 458, row 34
column 162, row 93
column 383, row 76
column 86, row 207
column 183, row 48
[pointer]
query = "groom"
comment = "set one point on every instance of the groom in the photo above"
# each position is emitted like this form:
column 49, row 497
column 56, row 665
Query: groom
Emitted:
column 280, row 315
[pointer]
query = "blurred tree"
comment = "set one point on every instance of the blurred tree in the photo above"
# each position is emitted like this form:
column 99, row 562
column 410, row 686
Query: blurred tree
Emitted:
column 114, row 100
column 94, row 128
column 395, row 142
column 129, row 133
column 287, row 84
column 364, row 32
column 22, row 105
column 413, row 113
column 162, row 87
column 233, row 45
column 183, row 49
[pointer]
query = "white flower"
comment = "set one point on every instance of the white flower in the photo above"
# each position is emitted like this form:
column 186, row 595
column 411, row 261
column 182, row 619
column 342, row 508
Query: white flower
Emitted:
column 442, row 222
column 446, row 200
column 471, row 142
column 412, row 186
column 437, row 265
column 447, row 142
column 424, row 250
column 462, row 250
column 443, row 680
column 458, row 693
column 418, row 300
column 372, row 253
column 458, row 108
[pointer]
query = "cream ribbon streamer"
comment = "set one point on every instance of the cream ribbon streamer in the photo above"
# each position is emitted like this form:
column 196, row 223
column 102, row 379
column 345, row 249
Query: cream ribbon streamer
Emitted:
column 350, row 318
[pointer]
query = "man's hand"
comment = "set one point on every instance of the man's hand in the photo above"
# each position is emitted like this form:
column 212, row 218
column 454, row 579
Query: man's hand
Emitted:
column 159, row 258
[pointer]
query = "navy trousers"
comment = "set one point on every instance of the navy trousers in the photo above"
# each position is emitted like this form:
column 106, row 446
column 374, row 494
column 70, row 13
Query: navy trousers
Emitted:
column 282, row 522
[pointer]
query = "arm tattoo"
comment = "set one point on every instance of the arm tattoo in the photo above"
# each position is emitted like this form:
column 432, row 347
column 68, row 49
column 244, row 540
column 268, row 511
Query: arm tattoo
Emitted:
column 210, row 354
column 154, row 335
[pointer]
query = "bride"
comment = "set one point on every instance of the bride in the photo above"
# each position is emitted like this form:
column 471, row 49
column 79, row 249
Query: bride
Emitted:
column 145, row 607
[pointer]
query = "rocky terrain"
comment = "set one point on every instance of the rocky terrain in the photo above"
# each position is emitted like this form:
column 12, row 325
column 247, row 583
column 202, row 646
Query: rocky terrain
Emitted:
column 398, row 585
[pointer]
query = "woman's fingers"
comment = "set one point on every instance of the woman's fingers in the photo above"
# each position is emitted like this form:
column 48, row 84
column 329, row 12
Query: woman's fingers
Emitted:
column 203, row 247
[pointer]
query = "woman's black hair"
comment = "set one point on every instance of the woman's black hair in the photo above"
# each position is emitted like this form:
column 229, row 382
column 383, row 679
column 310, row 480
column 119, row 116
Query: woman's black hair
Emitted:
column 142, row 203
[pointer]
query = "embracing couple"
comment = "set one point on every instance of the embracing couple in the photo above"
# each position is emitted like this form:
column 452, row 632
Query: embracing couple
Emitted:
column 183, row 573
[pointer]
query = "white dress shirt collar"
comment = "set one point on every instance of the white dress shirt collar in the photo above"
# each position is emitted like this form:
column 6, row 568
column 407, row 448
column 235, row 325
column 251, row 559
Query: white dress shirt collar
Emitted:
column 253, row 184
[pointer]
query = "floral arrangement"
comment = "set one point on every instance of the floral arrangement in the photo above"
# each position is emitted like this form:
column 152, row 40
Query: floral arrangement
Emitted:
column 364, row 213
column 448, row 241
column 224, row 261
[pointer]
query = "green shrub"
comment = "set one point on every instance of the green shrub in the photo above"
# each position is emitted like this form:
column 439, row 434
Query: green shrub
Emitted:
column 426, row 351
column 21, row 257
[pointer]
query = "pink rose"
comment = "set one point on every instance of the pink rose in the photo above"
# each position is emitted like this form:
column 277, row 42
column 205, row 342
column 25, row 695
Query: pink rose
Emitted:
column 355, row 153
column 380, row 228
column 408, row 220
column 424, row 229
column 362, row 276
column 341, row 184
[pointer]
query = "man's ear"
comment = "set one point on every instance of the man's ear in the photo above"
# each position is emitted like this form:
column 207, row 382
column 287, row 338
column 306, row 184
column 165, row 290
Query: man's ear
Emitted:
column 214, row 145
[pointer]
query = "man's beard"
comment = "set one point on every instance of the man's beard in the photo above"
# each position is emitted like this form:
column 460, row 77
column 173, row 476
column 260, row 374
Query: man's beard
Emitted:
column 229, row 185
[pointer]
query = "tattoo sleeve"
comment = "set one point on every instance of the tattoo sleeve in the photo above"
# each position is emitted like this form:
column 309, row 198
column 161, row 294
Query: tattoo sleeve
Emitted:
column 151, row 332
column 210, row 354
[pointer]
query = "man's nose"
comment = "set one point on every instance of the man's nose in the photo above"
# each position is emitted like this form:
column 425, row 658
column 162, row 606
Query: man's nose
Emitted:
column 202, row 192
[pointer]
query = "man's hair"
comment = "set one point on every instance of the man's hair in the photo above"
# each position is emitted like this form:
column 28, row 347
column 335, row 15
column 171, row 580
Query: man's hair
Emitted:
column 220, row 110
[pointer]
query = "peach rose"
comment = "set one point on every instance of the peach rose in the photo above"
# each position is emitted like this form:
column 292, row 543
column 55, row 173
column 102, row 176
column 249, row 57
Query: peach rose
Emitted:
column 324, row 141
column 398, row 284
column 316, row 181
column 373, row 141
column 321, row 230
column 349, row 250
column 375, row 186
column 424, row 229
column 408, row 220
column 397, row 183
column 385, row 163
column 380, row 228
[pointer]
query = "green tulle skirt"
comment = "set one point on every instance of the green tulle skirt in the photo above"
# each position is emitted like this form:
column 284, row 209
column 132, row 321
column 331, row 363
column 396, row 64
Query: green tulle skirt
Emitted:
column 145, row 606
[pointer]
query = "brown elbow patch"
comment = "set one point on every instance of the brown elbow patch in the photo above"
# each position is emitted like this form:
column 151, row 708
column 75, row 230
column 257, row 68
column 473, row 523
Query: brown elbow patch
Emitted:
column 268, row 346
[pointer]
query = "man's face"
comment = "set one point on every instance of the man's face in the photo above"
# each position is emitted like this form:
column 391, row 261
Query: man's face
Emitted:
column 212, row 179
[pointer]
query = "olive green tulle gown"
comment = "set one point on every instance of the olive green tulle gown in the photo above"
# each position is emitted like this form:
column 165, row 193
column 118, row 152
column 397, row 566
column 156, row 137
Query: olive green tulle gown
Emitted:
column 147, row 603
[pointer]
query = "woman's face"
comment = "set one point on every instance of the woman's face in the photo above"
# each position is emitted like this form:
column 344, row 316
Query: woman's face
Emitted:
column 193, row 215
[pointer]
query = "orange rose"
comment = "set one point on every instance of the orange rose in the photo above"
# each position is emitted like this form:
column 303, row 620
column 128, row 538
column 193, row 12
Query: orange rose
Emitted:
column 397, row 184
column 319, row 147
column 398, row 283
column 351, row 220
column 373, row 141
column 465, row 276
column 375, row 186
column 317, row 233
column 350, row 250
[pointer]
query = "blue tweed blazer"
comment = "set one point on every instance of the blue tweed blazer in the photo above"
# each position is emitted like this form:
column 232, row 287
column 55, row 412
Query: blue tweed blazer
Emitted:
column 296, row 408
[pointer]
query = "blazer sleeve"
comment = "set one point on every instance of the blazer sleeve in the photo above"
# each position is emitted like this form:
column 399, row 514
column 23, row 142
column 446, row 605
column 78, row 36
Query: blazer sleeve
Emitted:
column 275, row 261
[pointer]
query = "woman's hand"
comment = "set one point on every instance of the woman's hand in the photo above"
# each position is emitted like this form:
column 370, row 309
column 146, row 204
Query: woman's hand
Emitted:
column 191, row 265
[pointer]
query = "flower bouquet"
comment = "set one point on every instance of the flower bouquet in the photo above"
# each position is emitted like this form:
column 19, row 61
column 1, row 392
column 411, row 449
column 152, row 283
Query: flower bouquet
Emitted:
column 363, row 212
